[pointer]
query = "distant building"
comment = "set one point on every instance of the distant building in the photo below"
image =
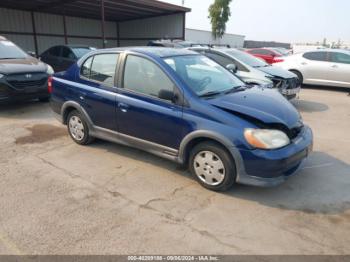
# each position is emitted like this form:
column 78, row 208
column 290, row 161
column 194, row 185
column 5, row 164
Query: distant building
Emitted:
column 259, row 44
column 206, row 37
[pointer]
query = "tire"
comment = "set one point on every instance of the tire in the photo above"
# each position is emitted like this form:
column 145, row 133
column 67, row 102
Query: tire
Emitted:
column 78, row 128
column 299, row 75
column 212, row 166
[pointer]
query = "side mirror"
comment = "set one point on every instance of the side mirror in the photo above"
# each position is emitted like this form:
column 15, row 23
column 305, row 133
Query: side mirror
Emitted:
column 232, row 67
column 31, row 53
column 167, row 95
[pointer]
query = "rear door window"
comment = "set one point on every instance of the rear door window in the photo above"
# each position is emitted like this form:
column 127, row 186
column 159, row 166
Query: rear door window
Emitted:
column 103, row 68
column 316, row 56
column 340, row 58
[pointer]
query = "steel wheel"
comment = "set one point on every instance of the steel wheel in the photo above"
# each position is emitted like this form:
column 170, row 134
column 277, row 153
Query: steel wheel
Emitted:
column 209, row 168
column 76, row 128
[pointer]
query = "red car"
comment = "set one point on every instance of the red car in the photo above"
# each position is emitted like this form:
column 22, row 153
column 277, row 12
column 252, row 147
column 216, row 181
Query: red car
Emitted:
column 270, row 55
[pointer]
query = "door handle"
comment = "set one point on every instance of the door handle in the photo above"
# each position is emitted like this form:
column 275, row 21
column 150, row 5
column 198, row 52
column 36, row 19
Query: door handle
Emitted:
column 123, row 107
column 304, row 63
column 334, row 66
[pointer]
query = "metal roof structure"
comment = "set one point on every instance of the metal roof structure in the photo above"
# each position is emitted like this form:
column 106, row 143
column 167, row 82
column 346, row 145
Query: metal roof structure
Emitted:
column 114, row 10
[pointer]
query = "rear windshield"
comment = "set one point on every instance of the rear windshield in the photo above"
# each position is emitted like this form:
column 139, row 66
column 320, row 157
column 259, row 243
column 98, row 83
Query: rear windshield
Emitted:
column 81, row 51
column 9, row 50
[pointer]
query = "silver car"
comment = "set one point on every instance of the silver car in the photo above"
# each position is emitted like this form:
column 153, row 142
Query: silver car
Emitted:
column 326, row 67
column 253, row 70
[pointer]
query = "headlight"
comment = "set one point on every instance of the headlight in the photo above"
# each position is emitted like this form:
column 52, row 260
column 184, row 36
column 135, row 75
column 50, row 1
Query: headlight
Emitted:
column 269, row 85
column 49, row 70
column 1, row 76
column 266, row 138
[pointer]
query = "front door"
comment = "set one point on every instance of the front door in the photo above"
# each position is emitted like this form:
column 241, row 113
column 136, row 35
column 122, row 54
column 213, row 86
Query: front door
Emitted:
column 340, row 69
column 141, row 112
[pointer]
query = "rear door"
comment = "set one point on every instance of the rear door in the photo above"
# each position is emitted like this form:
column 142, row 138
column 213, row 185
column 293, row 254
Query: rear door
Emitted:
column 97, row 95
column 340, row 68
column 141, row 113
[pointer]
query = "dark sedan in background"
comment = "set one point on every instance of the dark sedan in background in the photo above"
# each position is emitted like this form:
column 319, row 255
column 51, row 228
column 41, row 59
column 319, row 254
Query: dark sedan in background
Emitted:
column 22, row 77
column 61, row 57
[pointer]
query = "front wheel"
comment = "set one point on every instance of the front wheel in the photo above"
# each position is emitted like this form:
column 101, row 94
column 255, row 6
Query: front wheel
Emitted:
column 299, row 76
column 212, row 166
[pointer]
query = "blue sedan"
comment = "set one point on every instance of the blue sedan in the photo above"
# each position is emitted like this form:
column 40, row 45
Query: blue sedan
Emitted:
column 182, row 106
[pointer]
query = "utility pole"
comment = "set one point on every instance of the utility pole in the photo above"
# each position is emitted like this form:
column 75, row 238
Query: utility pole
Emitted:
column 183, row 2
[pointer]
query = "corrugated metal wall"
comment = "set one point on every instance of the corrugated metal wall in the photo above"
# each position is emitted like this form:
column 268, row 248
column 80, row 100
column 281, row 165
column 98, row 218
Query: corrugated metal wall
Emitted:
column 206, row 37
column 17, row 26
column 170, row 26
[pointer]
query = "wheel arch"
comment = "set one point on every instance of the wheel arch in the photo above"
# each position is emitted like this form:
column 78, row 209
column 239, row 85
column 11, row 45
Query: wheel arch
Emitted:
column 69, row 106
column 194, row 138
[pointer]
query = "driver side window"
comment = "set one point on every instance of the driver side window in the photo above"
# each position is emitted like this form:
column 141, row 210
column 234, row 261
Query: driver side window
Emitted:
column 143, row 76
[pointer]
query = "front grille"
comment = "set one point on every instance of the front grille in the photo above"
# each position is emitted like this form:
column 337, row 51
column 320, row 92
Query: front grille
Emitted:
column 290, row 83
column 28, row 80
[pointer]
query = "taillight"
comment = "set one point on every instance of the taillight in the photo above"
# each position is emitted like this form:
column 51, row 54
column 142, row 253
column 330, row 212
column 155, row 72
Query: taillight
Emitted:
column 49, row 84
column 277, row 59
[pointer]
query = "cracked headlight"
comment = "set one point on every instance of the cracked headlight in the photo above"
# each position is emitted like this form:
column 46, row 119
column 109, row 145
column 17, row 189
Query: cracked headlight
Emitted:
column 266, row 138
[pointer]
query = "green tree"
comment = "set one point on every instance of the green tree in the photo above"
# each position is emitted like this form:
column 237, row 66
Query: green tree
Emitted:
column 219, row 14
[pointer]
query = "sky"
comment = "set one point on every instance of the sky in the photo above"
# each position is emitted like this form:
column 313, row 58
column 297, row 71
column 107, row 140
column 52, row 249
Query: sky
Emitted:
column 296, row 21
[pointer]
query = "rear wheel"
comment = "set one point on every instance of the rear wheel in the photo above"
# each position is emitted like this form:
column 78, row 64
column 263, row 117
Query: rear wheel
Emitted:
column 212, row 166
column 78, row 128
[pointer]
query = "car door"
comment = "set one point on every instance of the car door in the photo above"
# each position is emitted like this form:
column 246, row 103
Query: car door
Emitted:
column 141, row 113
column 67, row 58
column 340, row 68
column 98, row 92
column 315, row 67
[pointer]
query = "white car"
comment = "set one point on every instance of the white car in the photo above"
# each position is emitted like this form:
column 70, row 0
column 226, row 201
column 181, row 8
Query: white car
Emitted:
column 327, row 67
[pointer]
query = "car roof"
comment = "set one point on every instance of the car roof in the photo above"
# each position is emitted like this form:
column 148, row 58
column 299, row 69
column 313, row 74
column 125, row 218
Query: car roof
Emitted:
column 150, row 50
column 330, row 50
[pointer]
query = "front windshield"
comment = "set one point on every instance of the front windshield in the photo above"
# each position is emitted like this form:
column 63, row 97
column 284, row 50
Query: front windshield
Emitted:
column 9, row 50
column 247, row 58
column 202, row 75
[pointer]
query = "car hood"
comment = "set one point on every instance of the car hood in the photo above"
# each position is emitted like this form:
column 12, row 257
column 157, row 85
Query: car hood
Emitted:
column 276, row 71
column 25, row 65
column 264, row 104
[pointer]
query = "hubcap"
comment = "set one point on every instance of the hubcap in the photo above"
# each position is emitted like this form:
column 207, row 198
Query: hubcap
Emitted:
column 76, row 128
column 209, row 168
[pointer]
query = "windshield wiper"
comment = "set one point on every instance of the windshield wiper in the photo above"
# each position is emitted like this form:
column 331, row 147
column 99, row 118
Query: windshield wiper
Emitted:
column 236, row 89
column 211, row 93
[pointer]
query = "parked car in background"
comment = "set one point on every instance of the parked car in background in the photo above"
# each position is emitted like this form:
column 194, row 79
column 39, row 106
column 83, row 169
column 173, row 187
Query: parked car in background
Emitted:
column 184, row 107
column 173, row 43
column 269, row 55
column 283, row 51
column 22, row 77
column 61, row 57
column 327, row 67
column 254, row 71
